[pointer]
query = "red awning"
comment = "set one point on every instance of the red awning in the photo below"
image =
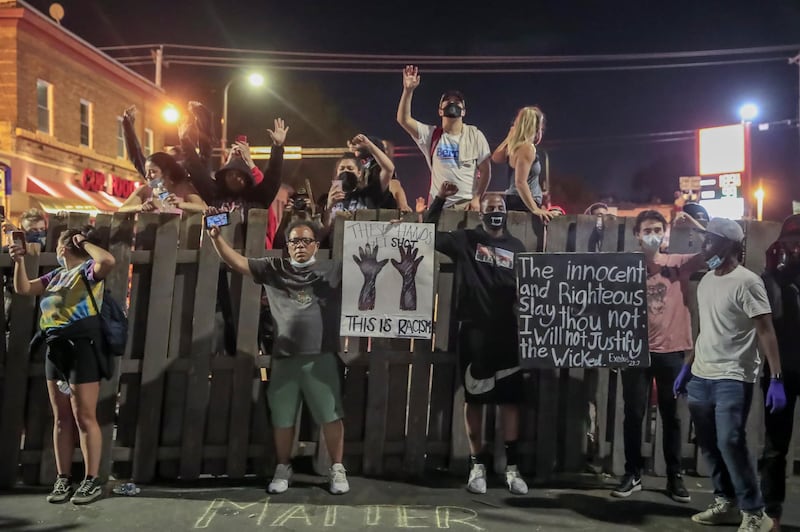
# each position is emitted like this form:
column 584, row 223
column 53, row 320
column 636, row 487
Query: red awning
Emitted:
column 56, row 197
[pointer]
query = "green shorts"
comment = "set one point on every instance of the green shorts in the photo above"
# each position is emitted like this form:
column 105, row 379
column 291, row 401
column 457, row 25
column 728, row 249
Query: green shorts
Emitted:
column 312, row 378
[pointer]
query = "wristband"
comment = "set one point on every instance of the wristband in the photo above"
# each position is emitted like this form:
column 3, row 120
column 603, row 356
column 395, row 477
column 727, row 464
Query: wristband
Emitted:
column 777, row 377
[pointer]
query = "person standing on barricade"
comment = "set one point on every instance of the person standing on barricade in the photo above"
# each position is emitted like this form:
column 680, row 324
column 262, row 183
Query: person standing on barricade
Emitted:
column 669, row 328
column 455, row 151
column 524, row 191
column 487, row 344
column 735, row 319
column 305, row 298
column 74, row 363
column 782, row 280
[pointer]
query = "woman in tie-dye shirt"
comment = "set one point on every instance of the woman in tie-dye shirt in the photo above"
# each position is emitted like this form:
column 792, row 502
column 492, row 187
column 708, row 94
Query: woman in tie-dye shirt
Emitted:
column 71, row 327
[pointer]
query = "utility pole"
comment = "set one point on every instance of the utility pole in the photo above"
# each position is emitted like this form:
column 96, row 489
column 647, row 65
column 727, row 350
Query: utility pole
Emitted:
column 159, row 59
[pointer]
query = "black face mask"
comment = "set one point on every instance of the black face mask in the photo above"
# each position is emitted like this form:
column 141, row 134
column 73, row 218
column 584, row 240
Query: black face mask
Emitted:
column 349, row 181
column 494, row 220
column 453, row 110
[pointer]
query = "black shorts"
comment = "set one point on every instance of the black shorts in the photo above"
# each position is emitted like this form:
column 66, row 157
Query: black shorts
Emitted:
column 80, row 359
column 489, row 361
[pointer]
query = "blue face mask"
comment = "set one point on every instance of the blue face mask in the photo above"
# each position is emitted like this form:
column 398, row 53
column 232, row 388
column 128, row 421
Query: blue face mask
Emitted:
column 714, row 262
column 61, row 261
column 305, row 264
column 36, row 237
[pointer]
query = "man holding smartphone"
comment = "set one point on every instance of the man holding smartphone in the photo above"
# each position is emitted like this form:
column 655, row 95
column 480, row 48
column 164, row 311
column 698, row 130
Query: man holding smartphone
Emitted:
column 305, row 296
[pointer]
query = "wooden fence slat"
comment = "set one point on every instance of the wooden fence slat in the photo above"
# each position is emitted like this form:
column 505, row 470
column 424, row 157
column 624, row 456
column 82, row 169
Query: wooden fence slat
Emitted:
column 12, row 409
column 246, row 351
column 576, row 408
column 39, row 422
column 618, row 443
column 197, row 384
column 354, row 394
column 418, row 401
column 119, row 243
column 375, row 419
column 155, row 359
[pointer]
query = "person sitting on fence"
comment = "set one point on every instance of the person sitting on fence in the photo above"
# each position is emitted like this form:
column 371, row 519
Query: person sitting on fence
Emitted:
column 669, row 329
column 524, row 192
column 74, row 363
column 487, row 345
column 362, row 178
column 782, row 280
column 454, row 151
column 305, row 297
column 735, row 318
column 167, row 190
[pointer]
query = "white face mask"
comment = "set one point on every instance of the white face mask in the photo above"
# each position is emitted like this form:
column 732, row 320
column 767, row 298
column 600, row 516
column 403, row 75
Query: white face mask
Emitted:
column 652, row 242
column 305, row 264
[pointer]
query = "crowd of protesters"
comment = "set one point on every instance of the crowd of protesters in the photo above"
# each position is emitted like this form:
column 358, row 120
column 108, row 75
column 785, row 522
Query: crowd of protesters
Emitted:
column 744, row 318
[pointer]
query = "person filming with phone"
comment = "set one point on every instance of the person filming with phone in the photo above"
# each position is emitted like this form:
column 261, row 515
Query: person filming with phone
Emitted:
column 305, row 296
column 74, row 363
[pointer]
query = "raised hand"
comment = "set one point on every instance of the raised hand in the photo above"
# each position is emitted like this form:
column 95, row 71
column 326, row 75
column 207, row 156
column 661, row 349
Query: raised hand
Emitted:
column 16, row 252
column 447, row 189
column 370, row 266
column 420, row 206
column 410, row 77
column 407, row 266
column 130, row 113
column 278, row 135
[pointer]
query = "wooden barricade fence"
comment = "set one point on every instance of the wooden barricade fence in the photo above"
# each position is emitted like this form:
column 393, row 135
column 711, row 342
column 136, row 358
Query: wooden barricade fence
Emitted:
column 178, row 406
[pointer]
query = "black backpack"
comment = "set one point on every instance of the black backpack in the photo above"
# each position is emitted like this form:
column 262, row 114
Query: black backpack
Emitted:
column 113, row 321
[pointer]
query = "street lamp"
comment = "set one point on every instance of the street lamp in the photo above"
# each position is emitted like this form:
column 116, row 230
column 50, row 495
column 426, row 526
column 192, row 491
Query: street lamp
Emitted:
column 170, row 114
column 748, row 112
column 256, row 80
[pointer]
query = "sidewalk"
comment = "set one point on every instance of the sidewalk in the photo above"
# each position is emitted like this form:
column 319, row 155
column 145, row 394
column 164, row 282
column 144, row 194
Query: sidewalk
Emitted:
column 575, row 503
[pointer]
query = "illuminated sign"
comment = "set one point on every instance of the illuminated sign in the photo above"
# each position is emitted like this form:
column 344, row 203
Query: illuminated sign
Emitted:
column 722, row 195
column 96, row 181
column 721, row 150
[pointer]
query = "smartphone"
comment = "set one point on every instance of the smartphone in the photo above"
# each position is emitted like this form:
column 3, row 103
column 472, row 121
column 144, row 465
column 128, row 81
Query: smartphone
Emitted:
column 336, row 184
column 18, row 238
column 218, row 220
column 241, row 138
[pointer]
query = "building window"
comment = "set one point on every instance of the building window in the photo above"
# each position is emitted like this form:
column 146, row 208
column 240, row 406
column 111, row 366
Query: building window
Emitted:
column 120, row 139
column 44, row 107
column 86, row 123
column 148, row 142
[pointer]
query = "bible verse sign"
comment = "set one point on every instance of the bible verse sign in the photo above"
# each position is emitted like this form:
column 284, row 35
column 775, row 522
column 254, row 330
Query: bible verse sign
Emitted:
column 387, row 280
column 582, row 310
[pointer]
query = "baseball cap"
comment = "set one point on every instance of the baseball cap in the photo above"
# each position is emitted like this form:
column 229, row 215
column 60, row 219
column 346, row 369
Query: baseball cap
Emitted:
column 453, row 94
column 696, row 211
column 726, row 229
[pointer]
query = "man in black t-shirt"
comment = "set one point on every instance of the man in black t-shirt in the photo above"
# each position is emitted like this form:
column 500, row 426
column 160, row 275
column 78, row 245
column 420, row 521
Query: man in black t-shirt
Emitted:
column 486, row 292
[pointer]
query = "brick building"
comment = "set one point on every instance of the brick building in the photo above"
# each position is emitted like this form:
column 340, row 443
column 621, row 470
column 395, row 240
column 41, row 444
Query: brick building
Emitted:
column 61, row 145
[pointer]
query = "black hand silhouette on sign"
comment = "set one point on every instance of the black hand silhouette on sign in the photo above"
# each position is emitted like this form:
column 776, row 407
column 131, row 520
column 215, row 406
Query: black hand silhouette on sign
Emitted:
column 367, row 261
column 407, row 266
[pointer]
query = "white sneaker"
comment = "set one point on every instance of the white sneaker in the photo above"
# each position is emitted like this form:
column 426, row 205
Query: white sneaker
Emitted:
column 756, row 522
column 516, row 484
column 477, row 479
column 338, row 476
column 280, row 481
column 720, row 512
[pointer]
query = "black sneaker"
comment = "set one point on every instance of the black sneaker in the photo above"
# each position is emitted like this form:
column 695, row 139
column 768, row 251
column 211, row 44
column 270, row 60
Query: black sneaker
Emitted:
column 676, row 490
column 88, row 491
column 62, row 489
column 627, row 486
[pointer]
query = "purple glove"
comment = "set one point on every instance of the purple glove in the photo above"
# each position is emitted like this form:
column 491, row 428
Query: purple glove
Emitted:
column 679, row 386
column 776, row 396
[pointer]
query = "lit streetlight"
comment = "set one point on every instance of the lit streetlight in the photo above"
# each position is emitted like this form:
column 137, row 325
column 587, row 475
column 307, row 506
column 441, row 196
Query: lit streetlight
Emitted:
column 254, row 79
column 170, row 114
column 759, row 203
column 748, row 112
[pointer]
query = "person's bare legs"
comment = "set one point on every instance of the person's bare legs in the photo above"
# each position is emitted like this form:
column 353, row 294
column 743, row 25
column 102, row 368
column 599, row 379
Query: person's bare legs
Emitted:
column 334, row 439
column 84, row 408
column 63, row 428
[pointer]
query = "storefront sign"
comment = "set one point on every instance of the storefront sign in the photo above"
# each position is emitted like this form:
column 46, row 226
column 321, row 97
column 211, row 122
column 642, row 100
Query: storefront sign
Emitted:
column 96, row 181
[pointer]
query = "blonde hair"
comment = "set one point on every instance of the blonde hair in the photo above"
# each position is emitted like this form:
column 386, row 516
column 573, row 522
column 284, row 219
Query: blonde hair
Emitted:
column 528, row 125
column 32, row 216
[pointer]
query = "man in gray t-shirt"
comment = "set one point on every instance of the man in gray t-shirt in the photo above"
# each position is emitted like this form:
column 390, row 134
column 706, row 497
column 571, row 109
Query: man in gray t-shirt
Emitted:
column 305, row 299
column 735, row 317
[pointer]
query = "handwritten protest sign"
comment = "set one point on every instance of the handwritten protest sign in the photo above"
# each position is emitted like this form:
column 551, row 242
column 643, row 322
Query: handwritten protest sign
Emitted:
column 582, row 310
column 387, row 280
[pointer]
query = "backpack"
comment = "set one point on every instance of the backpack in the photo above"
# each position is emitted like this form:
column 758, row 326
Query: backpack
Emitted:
column 113, row 321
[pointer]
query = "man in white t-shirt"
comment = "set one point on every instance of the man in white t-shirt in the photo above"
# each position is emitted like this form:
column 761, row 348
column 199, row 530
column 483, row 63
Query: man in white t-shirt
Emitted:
column 456, row 152
column 735, row 316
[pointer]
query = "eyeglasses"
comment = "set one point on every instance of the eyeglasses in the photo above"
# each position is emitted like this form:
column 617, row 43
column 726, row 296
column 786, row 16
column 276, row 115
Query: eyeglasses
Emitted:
column 297, row 241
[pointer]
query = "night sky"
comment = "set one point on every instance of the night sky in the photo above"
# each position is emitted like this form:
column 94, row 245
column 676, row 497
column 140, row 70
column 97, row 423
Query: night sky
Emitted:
column 585, row 110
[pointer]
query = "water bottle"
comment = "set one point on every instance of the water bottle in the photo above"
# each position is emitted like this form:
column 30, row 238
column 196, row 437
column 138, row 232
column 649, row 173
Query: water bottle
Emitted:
column 63, row 387
column 129, row 488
